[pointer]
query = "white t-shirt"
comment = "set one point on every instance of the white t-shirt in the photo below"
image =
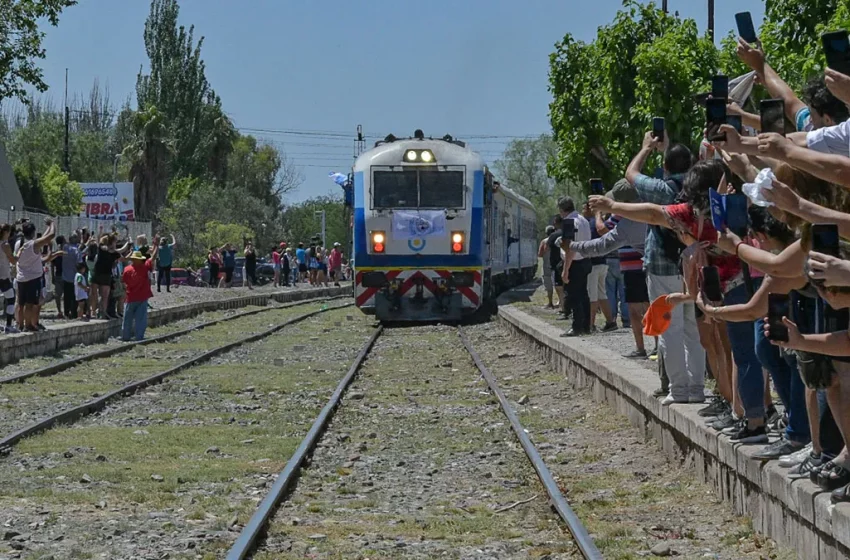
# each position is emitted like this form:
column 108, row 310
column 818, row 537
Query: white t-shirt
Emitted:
column 29, row 266
column 80, row 293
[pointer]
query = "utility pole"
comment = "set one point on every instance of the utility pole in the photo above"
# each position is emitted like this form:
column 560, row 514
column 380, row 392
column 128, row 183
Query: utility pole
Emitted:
column 711, row 20
column 322, row 214
column 664, row 6
column 66, row 155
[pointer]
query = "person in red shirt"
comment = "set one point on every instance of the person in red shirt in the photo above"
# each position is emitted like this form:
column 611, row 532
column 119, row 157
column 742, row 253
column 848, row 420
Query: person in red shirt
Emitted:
column 335, row 263
column 136, row 278
column 692, row 218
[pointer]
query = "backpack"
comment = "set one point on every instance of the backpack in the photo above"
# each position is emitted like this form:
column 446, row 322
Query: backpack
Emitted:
column 670, row 244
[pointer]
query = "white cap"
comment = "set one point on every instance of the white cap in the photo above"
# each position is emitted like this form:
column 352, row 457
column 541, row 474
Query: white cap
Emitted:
column 336, row 244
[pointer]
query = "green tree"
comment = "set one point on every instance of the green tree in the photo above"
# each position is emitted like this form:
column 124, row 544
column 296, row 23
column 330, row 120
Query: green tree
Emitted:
column 149, row 154
column 20, row 44
column 523, row 169
column 202, row 135
column 300, row 222
column 261, row 169
column 217, row 234
column 645, row 63
column 35, row 143
column 63, row 196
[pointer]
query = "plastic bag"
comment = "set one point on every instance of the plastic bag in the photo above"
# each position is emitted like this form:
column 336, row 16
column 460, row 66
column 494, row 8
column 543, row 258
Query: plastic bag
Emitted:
column 764, row 180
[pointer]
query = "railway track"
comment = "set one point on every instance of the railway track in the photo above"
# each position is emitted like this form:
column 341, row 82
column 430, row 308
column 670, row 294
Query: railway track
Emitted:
column 84, row 372
column 266, row 533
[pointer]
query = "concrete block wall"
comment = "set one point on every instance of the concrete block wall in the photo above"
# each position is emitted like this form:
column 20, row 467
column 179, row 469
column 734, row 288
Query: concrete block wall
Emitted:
column 796, row 514
column 66, row 335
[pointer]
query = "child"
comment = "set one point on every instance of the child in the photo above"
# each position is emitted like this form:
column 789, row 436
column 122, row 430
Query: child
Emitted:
column 82, row 292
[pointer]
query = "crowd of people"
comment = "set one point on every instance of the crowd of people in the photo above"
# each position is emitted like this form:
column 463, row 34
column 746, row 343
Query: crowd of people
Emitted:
column 761, row 307
column 104, row 275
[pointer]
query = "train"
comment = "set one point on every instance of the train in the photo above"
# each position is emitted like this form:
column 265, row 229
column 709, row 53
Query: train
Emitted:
column 435, row 236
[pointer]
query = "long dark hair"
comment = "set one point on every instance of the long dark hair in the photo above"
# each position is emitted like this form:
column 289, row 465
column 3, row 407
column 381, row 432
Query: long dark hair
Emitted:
column 704, row 175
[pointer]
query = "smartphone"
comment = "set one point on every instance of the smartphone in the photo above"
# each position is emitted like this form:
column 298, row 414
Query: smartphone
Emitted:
column 736, row 122
column 715, row 110
column 711, row 283
column 825, row 239
column 720, row 86
column 737, row 218
column 718, row 210
column 836, row 47
column 777, row 308
column 772, row 116
column 568, row 229
column 597, row 186
column 658, row 128
column 746, row 29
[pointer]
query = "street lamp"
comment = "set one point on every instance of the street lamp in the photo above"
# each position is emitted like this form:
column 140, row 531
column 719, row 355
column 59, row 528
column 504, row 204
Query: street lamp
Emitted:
column 114, row 180
column 322, row 214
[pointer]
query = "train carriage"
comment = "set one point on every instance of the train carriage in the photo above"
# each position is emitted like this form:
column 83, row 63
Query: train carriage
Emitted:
column 434, row 235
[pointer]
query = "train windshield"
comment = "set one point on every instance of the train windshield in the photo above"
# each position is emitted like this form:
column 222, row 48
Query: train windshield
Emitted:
column 418, row 188
column 440, row 189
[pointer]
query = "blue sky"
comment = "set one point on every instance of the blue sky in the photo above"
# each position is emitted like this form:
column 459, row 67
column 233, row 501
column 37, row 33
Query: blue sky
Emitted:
column 465, row 67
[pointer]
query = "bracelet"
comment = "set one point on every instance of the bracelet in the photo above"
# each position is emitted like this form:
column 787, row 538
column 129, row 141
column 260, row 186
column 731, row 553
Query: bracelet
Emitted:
column 738, row 247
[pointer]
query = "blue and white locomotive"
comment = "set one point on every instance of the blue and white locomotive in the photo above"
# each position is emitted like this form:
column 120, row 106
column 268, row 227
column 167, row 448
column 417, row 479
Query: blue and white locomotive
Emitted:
column 434, row 235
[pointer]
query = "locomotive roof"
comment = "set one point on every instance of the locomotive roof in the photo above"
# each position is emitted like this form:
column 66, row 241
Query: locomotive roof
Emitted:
column 391, row 153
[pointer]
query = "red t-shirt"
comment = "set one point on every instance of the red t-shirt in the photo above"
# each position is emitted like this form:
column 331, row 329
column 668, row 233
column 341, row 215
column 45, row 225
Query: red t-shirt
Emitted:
column 275, row 257
column 137, row 283
column 682, row 219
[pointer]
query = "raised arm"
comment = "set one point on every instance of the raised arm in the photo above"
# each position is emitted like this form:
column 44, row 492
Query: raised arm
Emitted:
column 753, row 56
column 828, row 167
column 787, row 200
column 643, row 212
column 650, row 144
column 787, row 264
column 173, row 241
column 757, row 306
column 7, row 249
column 48, row 236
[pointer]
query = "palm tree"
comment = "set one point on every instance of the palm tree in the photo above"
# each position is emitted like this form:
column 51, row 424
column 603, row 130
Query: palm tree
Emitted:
column 149, row 154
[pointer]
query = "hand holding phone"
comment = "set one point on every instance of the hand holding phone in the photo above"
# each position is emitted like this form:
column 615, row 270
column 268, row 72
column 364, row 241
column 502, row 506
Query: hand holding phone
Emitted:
column 825, row 239
column 568, row 229
column 737, row 216
column 710, row 277
column 720, row 86
column 715, row 118
column 746, row 29
column 658, row 128
column 777, row 309
column 836, row 47
column 597, row 186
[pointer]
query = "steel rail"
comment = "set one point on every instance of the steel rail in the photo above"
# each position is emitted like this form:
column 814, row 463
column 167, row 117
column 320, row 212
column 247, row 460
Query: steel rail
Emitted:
column 77, row 412
column 67, row 364
column 574, row 525
column 257, row 524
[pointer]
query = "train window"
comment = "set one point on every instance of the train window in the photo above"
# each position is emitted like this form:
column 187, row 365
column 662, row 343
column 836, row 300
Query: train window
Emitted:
column 394, row 189
column 441, row 189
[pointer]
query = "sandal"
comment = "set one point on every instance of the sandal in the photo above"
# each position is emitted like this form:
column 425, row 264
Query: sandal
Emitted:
column 834, row 478
column 816, row 470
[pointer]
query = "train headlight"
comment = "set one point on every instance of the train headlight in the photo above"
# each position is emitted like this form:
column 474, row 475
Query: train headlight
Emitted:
column 417, row 156
column 457, row 242
column 378, row 240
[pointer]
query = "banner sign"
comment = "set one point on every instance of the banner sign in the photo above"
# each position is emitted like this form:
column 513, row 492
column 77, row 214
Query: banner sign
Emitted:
column 423, row 223
column 105, row 201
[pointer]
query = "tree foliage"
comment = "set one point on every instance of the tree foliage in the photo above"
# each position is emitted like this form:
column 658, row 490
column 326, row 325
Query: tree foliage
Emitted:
column 300, row 222
column 20, row 44
column 63, row 196
column 645, row 63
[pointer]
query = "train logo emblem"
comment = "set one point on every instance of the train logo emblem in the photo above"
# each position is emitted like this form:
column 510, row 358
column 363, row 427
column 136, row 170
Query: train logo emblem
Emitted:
column 416, row 244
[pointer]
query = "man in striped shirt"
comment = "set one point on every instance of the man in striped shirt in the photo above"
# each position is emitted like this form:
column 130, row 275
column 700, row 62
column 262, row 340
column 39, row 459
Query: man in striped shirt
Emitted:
column 628, row 238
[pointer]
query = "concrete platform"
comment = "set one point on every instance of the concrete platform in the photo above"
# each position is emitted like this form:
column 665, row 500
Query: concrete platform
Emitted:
column 25, row 345
column 796, row 514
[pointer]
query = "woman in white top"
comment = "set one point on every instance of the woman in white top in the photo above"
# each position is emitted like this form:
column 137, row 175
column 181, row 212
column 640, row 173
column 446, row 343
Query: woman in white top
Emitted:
column 30, row 271
column 7, row 290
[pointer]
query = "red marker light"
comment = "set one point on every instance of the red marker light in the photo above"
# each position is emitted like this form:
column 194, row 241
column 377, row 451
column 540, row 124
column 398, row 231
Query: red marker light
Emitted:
column 457, row 247
column 379, row 247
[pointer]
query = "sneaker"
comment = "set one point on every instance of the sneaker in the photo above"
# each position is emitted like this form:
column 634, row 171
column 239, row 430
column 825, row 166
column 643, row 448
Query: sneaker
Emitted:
column 749, row 435
column 11, row 330
column 609, row 327
column 715, row 409
column 795, row 458
column 780, row 448
column 802, row 470
column 637, row 354
column 772, row 415
column 732, row 427
column 658, row 393
column 721, row 422
column 669, row 399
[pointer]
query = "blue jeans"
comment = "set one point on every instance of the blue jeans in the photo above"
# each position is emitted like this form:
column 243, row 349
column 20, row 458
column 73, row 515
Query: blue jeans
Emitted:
column 750, row 374
column 788, row 383
column 615, row 289
column 135, row 315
